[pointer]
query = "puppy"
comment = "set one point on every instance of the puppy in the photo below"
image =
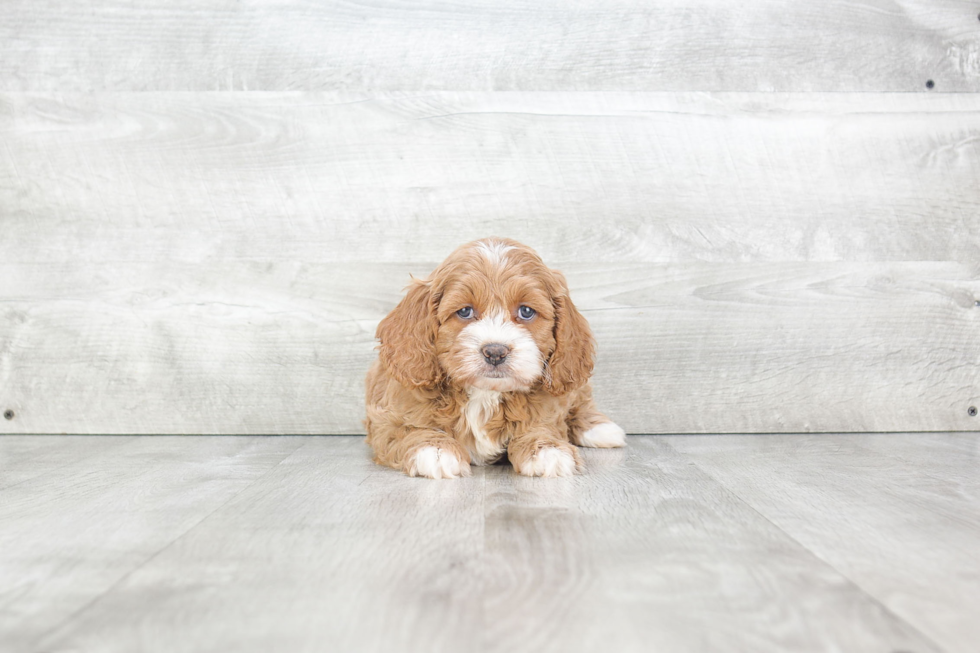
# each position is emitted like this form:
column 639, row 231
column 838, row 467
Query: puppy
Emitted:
column 486, row 356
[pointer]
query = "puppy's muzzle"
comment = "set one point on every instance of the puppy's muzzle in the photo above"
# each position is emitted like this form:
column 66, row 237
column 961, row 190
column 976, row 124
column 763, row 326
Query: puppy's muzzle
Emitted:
column 495, row 353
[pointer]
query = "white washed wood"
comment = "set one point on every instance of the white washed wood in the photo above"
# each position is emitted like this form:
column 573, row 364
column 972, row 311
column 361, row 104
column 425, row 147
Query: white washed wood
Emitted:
column 169, row 261
column 406, row 177
column 644, row 551
column 283, row 348
column 701, row 45
column 647, row 552
column 903, row 527
column 73, row 533
column 329, row 552
column 22, row 459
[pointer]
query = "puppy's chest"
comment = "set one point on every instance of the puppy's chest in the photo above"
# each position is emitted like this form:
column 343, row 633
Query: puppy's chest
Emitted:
column 482, row 418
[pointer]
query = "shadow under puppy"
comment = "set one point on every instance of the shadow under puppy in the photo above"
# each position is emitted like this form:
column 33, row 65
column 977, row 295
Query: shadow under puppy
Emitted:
column 486, row 356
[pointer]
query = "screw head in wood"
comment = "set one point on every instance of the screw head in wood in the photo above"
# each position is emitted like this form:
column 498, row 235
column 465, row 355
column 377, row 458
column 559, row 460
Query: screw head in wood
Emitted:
column 8, row 414
column 930, row 84
column 972, row 411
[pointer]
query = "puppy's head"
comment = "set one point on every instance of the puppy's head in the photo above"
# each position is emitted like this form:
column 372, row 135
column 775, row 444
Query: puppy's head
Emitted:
column 491, row 316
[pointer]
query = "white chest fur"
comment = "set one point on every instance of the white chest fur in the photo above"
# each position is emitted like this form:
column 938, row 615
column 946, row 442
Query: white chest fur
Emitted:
column 479, row 409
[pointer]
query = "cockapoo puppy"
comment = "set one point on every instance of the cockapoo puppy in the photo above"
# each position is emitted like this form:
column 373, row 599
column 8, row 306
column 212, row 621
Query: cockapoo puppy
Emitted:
column 486, row 356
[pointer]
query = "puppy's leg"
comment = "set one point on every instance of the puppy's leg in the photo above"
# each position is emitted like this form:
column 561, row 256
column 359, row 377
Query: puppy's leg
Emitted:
column 438, row 458
column 541, row 452
column 419, row 452
column 587, row 427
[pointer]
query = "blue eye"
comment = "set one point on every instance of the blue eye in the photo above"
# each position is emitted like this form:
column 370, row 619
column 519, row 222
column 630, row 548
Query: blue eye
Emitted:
column 465, row 313
column 526, row 312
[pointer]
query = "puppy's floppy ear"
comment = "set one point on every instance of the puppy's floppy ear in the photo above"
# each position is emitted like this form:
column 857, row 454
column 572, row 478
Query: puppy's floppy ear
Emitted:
column 408, row 338
column 571, row 363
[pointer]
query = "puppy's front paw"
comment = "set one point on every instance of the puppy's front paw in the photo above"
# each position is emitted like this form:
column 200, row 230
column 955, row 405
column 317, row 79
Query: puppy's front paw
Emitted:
column 603, row 436
column 435, row 462
column 549, row 462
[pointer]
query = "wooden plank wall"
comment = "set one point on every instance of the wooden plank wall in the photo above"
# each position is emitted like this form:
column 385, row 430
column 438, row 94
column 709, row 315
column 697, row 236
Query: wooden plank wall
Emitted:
column 769, row 210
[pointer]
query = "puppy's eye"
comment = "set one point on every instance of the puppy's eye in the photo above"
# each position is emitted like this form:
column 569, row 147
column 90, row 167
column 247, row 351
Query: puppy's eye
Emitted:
column 526, row 312
column 465, row 313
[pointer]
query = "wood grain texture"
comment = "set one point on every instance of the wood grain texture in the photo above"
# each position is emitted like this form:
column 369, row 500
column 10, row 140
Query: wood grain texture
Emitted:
column 878, row 507
column 585, row 177
column 790, row 347
column 284, row 347
column 216, row 262
column 22, row 459
column 586, row 45
column 329, row 552
column 73, row 532
column 648, row 552
column 644, row 551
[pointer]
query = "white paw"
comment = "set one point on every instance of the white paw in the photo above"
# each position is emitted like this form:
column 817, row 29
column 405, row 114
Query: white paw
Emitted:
column 434, row 462
column 550, row 462
column 604, row 436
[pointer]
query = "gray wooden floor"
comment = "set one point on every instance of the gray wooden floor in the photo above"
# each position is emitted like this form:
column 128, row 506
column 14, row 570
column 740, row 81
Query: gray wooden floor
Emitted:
column 678, row 543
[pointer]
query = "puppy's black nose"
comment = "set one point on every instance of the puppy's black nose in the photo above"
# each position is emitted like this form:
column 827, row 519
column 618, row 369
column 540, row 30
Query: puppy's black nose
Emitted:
column 495, row 353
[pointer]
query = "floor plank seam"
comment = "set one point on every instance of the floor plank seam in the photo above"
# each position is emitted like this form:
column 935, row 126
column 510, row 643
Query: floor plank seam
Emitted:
column 672, row 542
column 95, row 600
column 128, row 439
column 734, row 494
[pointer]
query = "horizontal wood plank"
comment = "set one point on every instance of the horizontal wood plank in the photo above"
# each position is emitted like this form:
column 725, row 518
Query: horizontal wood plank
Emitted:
column 407, row 177
column 217, row 262
column 260, row 347
column 586, row 45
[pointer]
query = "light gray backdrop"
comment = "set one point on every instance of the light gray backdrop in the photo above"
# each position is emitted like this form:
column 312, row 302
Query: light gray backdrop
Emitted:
column 769, row 218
